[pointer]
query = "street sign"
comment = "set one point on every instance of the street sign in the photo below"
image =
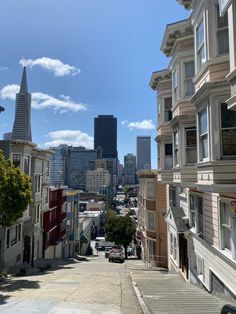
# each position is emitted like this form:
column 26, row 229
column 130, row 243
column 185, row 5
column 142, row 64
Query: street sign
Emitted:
column 224, row 4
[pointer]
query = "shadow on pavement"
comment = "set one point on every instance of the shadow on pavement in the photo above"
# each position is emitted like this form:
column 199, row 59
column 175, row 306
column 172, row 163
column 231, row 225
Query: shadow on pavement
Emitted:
column 3, row 299
column 10, row 285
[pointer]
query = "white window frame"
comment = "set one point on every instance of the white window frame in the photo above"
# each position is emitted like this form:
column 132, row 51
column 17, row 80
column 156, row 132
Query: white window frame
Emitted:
column 199, row 267
column 196, row 214
column 204, row 135
column 230, row 227
column 200, row 60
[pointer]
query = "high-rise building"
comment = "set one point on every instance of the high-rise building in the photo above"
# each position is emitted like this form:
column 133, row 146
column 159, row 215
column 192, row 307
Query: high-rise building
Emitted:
column 79, row 161
column 129, row 169
column 22, row 124
column 58, row 170
column 7, row 136
column 143, row 153
column 105, row 135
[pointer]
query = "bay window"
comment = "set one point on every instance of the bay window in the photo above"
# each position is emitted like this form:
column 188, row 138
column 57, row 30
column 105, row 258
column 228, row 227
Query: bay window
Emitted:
column 200, row 41
column 188, row 78
column 222, row 32
column 203, row 134
column 228, row 131
column 191, row 145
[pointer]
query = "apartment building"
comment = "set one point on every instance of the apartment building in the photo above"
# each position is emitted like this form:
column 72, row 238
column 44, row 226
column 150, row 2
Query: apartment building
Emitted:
column 197, row 144
column 152, row 228
column 96, row 179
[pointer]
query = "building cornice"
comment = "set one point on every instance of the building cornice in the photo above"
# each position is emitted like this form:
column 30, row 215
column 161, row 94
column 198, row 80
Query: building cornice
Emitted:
column 158, row 76
column 174, row 32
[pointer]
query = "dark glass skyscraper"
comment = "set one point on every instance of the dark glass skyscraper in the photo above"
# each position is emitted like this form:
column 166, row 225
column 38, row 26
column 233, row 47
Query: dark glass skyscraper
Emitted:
column 105, row 135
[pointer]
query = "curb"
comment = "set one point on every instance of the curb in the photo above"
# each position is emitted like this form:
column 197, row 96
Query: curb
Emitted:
column 139, row 296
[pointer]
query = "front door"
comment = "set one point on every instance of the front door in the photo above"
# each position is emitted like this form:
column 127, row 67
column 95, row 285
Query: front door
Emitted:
column 183, row 254
column 26, row 254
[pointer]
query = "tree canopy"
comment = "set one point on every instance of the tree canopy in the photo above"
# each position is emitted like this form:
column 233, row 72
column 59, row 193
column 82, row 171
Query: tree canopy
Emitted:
column 15, row 192
column 120, row 229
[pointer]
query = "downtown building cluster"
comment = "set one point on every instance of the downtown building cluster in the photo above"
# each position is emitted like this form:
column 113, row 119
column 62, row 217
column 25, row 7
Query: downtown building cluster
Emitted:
column 190, row 225
column 61, row 220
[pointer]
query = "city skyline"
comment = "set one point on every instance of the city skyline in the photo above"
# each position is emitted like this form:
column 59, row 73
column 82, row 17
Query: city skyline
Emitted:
column 76, row 63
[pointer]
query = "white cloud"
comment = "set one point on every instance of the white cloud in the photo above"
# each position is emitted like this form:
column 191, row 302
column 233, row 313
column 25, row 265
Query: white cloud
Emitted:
column 44, row 101
column 3, row 69
column 124, row 122
column 141, row 125
column 69, row 137
column 56, row 66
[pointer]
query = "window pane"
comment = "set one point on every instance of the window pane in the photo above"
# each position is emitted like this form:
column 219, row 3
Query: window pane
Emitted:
column 168, row 162
column 223, row 41
column 168, row 149
column 203, row 122
column 228, row 117
column 191, row 139
column 176, row 139
column 229, row 142
column 200, row 34
column 204, row 141
column 168, row 103
column 189, row 69
column 189, row 88
column 191, row 155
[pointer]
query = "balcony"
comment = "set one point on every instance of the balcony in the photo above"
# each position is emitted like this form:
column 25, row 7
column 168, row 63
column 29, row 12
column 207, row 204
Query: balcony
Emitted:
column 187, row 176
column 217, row 176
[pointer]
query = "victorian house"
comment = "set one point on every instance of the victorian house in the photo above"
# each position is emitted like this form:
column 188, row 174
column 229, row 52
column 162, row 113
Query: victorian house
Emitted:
column 197, row 145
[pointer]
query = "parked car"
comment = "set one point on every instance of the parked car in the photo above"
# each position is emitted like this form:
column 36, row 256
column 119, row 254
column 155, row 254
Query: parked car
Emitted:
column 107, row 251
column 116, row 254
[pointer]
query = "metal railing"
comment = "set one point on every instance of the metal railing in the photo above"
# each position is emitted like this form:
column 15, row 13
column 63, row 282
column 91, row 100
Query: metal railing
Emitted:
column 228, row 309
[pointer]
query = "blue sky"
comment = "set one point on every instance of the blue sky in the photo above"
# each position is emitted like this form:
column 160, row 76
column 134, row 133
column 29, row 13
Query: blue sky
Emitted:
column 84, row 58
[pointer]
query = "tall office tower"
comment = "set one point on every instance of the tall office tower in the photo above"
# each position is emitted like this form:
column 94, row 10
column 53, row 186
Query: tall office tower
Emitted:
column 58, row 169
column 79, row 161
column 143, row 152
column 7, row 136
column 105, row 135
column 22, row 125
column 129, row 169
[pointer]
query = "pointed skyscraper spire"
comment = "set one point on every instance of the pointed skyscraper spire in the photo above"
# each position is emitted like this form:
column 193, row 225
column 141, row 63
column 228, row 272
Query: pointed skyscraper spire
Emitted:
column 22, row 126
column 23, row 85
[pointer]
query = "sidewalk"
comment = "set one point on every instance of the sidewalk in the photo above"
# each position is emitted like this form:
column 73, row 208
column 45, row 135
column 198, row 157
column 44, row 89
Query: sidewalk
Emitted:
column 160, row 292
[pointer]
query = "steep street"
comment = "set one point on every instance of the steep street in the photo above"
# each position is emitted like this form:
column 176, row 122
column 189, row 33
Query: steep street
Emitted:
column 92, row 286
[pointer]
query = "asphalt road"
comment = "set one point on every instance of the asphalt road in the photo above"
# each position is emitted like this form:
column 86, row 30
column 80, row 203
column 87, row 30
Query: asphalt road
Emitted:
column 85, row 287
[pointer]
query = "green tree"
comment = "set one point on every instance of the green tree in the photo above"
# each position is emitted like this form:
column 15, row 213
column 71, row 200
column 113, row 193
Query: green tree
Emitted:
column 15, row 192
column 120, row 229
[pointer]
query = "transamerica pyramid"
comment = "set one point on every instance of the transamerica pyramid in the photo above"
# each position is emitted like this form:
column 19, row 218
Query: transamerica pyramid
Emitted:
column 22, row 124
